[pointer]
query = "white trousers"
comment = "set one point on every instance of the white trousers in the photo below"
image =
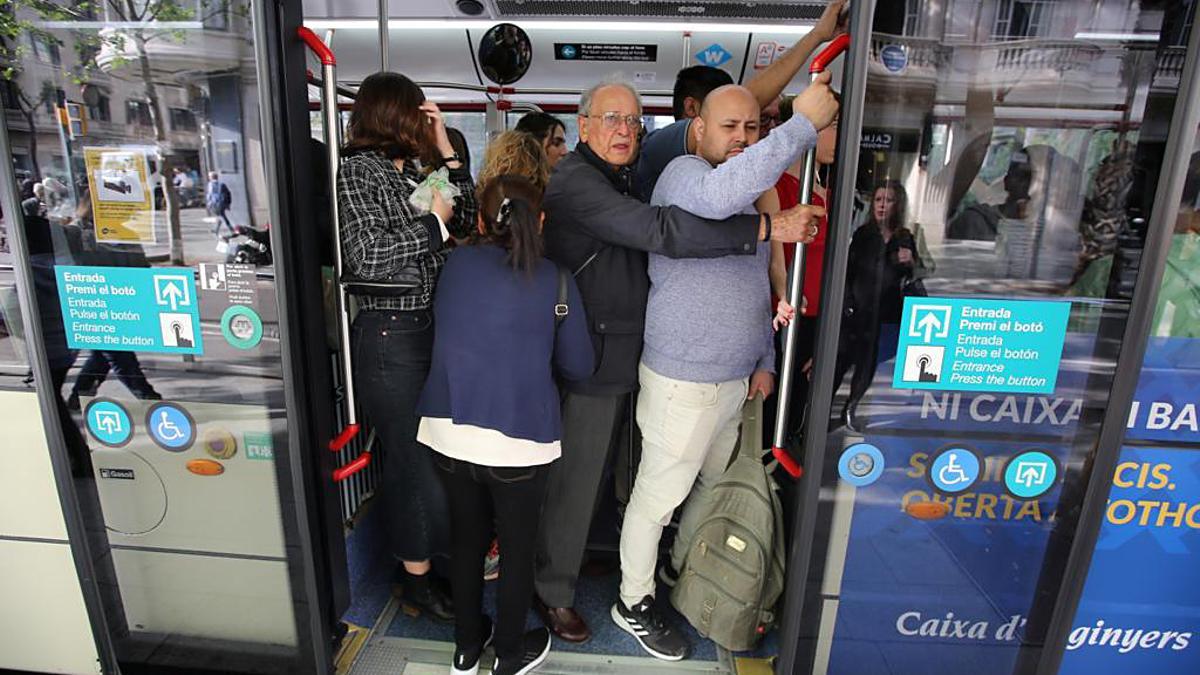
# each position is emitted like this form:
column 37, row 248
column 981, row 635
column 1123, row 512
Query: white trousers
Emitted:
column 689, row 434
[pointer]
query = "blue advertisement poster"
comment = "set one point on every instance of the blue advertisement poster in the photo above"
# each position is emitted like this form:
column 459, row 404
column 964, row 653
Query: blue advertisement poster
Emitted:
column 1140, row 610
column 960, row 584
column 953, row 586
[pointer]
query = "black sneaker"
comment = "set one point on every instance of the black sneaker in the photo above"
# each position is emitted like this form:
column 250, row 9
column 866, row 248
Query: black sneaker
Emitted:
column 466, row 660
column 536, row 645
column 667, row 575
column 643, row 622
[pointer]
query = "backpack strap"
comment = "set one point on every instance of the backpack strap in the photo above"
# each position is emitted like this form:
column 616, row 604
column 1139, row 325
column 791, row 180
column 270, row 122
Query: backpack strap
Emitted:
column 562, row 307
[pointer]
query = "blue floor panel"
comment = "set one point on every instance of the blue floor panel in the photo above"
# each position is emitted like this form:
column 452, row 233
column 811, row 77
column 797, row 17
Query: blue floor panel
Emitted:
column 593, row 599
column 371, row 570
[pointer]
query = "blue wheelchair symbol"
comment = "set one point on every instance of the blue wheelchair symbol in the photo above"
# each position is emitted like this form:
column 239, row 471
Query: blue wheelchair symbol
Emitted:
column 171, row 427
column 568, row 51
column 954, row 470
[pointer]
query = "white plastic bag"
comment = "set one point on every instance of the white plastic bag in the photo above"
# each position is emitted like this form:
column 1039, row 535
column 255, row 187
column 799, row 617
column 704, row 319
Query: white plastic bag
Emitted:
column 439, row 180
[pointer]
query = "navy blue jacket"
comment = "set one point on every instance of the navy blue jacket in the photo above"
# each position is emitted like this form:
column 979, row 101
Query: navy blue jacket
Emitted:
column 496, row 348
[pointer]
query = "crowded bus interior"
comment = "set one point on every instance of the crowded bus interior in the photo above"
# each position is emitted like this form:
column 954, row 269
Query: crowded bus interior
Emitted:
column 857, row 337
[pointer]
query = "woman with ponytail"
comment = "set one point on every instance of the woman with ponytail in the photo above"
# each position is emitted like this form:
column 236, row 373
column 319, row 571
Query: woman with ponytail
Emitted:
column 508, row 322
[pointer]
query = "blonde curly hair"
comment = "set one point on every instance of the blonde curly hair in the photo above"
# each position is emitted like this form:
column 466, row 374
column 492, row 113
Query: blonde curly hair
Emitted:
column 515, row 153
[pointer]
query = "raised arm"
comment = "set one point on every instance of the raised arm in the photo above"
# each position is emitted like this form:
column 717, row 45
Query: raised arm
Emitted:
column 767, row 85
column 735, row 185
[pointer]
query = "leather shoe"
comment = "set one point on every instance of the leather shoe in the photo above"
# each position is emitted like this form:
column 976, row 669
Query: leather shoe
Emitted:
column 420, row 594
column 564, row 622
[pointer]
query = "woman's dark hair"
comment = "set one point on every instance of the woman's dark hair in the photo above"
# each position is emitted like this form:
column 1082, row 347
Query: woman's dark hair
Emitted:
column 539, row 125
column 898, row 215
column 459, row 142
column 510, row 208
column 387, row 117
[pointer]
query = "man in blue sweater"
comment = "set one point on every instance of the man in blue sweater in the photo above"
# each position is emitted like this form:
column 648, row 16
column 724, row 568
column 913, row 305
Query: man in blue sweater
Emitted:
column 708, row 340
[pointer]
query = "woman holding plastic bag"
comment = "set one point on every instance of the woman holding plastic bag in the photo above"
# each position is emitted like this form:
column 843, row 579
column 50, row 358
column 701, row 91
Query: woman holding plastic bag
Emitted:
column 397, row 217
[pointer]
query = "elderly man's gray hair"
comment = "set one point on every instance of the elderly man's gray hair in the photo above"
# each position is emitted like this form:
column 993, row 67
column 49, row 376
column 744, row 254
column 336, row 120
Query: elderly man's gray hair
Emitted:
column 585, row 101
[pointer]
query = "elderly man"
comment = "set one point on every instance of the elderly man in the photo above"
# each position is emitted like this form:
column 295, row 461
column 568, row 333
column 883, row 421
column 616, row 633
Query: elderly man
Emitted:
column 600, row 233
column 708, row 341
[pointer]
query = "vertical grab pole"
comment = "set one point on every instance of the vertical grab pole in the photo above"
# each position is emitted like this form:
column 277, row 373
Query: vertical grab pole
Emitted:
column 796, row 284
column 332, row 129
column 385, row 56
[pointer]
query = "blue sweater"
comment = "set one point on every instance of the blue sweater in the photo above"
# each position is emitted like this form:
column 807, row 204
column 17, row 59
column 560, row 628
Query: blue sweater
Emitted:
column 496, row 348
column 710, row 320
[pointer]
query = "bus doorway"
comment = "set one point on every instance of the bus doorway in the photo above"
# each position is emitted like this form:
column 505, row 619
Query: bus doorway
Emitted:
column 1004, row 215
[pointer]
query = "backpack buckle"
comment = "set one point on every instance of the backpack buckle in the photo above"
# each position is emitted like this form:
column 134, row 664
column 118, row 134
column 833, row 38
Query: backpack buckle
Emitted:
column 561, row 310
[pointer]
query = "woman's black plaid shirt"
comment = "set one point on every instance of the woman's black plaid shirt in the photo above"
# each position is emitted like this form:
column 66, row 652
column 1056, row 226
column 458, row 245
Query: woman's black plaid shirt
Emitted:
column 383, row 234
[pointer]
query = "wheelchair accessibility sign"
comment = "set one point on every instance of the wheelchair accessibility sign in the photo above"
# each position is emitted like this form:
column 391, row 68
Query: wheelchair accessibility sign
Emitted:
column 954, row 469
column 171, row 427
column 965, row 344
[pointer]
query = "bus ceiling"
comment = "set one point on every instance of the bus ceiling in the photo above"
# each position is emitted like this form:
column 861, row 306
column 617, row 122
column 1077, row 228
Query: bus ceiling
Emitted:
column 436, row 41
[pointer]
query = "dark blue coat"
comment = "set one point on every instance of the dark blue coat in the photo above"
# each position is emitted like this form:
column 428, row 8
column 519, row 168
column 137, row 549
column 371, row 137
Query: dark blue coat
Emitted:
column 496, row 348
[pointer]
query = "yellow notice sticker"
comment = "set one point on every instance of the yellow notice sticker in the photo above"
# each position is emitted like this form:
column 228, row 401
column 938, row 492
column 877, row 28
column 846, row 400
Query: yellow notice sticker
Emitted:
column 122, row 196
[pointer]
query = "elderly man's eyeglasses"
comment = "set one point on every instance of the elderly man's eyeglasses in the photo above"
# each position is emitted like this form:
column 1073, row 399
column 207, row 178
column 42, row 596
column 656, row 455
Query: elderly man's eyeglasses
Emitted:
column 612, row 120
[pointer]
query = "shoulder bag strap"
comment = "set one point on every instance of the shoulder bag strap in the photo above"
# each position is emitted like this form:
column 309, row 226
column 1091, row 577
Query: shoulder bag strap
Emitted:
column 561, row 307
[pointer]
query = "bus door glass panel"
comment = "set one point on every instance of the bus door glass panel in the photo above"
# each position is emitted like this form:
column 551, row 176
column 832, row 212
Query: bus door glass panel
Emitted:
column 1152, row 514
column 141, row 170
column 1009, row 154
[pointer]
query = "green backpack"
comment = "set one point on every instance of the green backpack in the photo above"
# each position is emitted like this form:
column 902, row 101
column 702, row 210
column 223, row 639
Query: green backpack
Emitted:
column 733, row 572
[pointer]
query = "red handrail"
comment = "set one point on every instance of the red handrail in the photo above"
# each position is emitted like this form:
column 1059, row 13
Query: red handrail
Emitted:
column 318, row 46
column 839, row 44
column 345, row 437
column 358, row 464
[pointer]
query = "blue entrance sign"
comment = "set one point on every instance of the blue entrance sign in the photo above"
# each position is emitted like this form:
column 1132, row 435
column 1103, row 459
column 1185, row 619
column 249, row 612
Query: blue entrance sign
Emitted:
column 959, row 344
column 170, row 426
column 130, row 308
column 108, row 422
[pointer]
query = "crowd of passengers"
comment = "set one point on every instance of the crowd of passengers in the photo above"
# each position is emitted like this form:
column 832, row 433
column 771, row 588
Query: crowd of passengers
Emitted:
column 499, row 409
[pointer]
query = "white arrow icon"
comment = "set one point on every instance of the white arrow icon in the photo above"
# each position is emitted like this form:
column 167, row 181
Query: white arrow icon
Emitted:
column 929, row 323
column 109, row 422
column 174, row 294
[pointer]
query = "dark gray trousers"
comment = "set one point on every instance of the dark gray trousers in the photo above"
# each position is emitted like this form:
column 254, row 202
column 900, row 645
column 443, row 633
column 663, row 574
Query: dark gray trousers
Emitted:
column 591, row 433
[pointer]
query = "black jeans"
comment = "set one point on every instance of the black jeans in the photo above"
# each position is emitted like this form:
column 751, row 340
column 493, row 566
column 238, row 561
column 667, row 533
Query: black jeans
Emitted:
column 511, row 498
column 391, row 361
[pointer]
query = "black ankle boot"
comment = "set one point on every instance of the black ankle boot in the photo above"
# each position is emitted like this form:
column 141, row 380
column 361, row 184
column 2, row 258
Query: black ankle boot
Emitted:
column 851, row 419
column 420, row 594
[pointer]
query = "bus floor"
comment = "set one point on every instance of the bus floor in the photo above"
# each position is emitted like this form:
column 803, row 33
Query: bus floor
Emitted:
column 397, row 643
